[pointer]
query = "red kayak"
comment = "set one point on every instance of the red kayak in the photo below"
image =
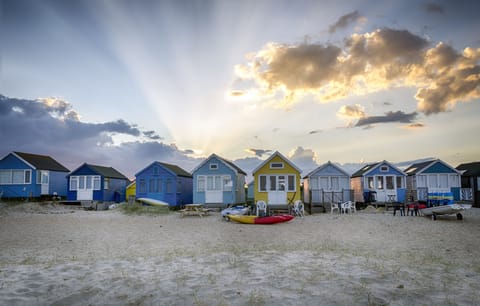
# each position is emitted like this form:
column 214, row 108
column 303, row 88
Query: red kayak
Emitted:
column 260, row 220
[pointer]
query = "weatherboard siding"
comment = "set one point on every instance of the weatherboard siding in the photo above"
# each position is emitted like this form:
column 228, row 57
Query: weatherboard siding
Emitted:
column 178, row 193
column 292, row 196
column 234, row 196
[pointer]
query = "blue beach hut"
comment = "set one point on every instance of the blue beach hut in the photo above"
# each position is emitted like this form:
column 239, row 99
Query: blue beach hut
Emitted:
column 26, row 175
column 96, row 183
column 219, row 182
column 381, row 182
column 433, row 180
column 165, row 182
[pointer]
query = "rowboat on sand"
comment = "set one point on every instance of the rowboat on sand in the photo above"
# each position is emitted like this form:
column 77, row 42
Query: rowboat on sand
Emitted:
column 449, row 209
column 260, row 220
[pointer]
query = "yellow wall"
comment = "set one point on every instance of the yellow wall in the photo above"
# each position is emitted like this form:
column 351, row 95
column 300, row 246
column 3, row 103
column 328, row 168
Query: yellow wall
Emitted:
column 131, row 190
column 288, row 169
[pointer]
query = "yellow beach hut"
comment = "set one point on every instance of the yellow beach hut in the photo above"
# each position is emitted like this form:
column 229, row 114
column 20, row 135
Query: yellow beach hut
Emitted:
column 277, row 182
column 131, row 189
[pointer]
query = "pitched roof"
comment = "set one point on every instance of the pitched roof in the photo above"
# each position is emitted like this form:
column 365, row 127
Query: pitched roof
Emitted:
column 107, row 172
column 176, row 169
column 471, row 169
column 423, row 166
column 364, row 169
column 329, row 163
column 226, row 162
column 41, row 162
column 276, row 153
column 415, row 168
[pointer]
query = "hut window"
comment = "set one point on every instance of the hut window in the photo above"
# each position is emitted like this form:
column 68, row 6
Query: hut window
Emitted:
column 324, row 182
column 273, row 182
column 291, row 183
column 142, row 186
column 179, row 186
column 276, row 166
column 443, row 180
column 18, row 177
column 201, row 183
column 399, row 182
column 379, row 182
column 432, row 181
column 263, row 183
column 155, row 170
column 334, row 185
column 159, row 185
column 151, row 185
column 169, row 187
column 73, row 182
column 454, row 181
column 389, row 182
column 96, row 183
column 370, row 182
column 28, row 176
column 213, row 166
column 227, row 183
column 384, row 169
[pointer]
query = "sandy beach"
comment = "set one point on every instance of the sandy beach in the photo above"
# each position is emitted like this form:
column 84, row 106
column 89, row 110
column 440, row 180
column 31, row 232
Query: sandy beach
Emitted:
column 61, row 255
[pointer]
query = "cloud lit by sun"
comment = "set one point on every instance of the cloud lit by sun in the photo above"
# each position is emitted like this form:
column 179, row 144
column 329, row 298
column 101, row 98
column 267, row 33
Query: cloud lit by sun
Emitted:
column 366, row 63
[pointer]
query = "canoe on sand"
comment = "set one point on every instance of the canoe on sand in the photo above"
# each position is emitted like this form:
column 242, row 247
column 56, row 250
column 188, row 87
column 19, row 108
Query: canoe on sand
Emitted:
column 152, row 202
column 260, row 220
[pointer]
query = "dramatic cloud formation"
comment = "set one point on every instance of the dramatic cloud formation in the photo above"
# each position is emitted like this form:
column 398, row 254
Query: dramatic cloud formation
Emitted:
column 346, row 20
column 51, row 126
column 367, row 63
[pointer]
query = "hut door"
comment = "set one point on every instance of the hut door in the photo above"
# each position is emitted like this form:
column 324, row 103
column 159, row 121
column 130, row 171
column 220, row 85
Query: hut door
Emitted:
column 44, row 178
column 85, row 188
column 214, row 193
column 277, row 193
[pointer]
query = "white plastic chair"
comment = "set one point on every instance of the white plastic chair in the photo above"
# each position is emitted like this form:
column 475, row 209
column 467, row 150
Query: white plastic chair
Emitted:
column 346, row 207
column 353, row 209
column 298, row 209
column 261, row 207
column 334, row 206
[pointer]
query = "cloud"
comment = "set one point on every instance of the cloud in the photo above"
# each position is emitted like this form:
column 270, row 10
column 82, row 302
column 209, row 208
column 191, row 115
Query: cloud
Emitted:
column 52, row 127
column 397, row 116
column 433, row 8
column 346, row 20
column 258, row 152
column 415, row 126
column 366, row 63
column 305, row 159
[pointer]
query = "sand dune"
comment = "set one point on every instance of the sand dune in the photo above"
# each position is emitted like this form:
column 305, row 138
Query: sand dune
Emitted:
column 57, row 255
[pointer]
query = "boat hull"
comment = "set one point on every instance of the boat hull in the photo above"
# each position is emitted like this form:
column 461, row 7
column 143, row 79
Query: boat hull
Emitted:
column 235, row 210
column 260, row 220
column 449, row 209
column 152, row 202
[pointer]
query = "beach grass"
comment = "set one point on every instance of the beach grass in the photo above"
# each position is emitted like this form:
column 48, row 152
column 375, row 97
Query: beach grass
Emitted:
column 144, row 210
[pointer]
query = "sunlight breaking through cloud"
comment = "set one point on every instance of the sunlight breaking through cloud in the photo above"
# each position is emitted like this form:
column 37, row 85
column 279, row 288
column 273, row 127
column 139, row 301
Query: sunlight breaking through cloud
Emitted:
column 367, row 63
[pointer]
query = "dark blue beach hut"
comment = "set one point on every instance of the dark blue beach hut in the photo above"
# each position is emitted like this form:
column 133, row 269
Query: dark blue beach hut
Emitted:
column 433, row 178
column 96, row 183
column 165, row 182
column 381, row 182
column 24, row 175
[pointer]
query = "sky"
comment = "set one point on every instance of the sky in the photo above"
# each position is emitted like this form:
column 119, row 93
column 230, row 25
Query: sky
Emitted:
column 125, row 83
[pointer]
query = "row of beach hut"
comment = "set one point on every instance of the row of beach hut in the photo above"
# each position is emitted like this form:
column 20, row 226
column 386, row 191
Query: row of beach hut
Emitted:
column 219, row 182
